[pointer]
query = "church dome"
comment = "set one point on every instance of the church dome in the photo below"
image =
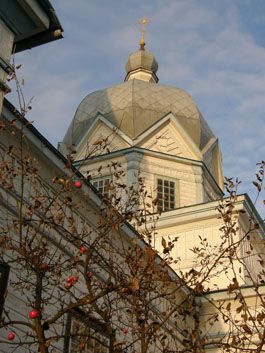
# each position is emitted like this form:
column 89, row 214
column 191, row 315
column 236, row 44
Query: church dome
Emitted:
column 141, row 59
column 136, row 105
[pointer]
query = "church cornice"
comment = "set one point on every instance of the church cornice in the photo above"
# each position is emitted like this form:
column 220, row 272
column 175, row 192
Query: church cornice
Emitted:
column 208, row 210
column 147, row 152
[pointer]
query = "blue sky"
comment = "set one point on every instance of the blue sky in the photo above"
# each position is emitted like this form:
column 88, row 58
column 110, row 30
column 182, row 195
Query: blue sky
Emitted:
column 214, row 49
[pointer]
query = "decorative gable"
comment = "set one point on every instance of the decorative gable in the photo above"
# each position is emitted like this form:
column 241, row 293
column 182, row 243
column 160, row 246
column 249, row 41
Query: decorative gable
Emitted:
column 101, row 138
column 170, row 138
column 164, row 142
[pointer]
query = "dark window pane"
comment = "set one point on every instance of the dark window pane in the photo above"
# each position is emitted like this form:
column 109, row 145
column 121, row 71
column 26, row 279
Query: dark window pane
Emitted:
column 159, row 181
column 94, row 342
column 4, row 273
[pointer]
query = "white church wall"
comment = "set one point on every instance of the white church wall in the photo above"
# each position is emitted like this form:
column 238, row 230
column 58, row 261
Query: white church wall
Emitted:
column 252, row 250
column 190, row 184
column 151, row 167
column 209, row 193
column 101, row 167
column 192, row 225
column 226, row 306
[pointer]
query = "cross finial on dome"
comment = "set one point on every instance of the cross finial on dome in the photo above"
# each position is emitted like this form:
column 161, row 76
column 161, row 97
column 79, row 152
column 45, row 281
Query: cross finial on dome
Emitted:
column 142, row 64
column 143, row 23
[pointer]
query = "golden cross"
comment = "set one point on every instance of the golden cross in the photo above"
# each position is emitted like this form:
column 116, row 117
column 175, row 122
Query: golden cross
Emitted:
column 143, row 23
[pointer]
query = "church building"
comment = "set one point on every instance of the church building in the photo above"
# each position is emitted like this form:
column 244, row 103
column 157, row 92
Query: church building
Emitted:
column 158, row 133
column 154, row 133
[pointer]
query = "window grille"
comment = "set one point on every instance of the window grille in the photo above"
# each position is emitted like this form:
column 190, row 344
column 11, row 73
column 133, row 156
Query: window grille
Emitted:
column 166, row 194
column 83, row 336
column 102, row 185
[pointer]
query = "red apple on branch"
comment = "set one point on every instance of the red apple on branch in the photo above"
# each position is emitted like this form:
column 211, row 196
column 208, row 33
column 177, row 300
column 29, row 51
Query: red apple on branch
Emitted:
column 83, row 249
column 44, row 267
column 78, row 184
column 33, row 314
column 11, row 336
column 82, row 346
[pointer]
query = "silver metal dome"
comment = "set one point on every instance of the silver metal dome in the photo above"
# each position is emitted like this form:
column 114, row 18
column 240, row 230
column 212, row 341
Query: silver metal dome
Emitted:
column 134, row 106
column 141, row 59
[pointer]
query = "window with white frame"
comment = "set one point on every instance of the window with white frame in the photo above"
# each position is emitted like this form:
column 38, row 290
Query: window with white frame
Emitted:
column 102, row 185
column 166, row 194
column 85, row 336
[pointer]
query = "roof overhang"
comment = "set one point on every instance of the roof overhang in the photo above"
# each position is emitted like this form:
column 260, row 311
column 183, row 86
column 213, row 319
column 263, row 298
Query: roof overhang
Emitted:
column 33, row 22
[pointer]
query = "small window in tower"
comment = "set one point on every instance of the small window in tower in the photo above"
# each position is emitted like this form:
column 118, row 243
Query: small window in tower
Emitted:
column 166, row 194
column 102, row 185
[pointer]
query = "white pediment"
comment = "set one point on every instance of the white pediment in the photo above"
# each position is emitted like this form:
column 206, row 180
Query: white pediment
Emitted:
column 168, row 136
column 102, row 137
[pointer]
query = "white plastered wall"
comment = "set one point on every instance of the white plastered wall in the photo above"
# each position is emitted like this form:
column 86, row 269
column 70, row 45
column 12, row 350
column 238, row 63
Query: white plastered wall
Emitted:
column 194, row 224
column 153, row 167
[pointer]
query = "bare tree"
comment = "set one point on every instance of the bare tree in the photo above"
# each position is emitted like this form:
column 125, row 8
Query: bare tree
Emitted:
column 85, row 280
column 70, row 256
